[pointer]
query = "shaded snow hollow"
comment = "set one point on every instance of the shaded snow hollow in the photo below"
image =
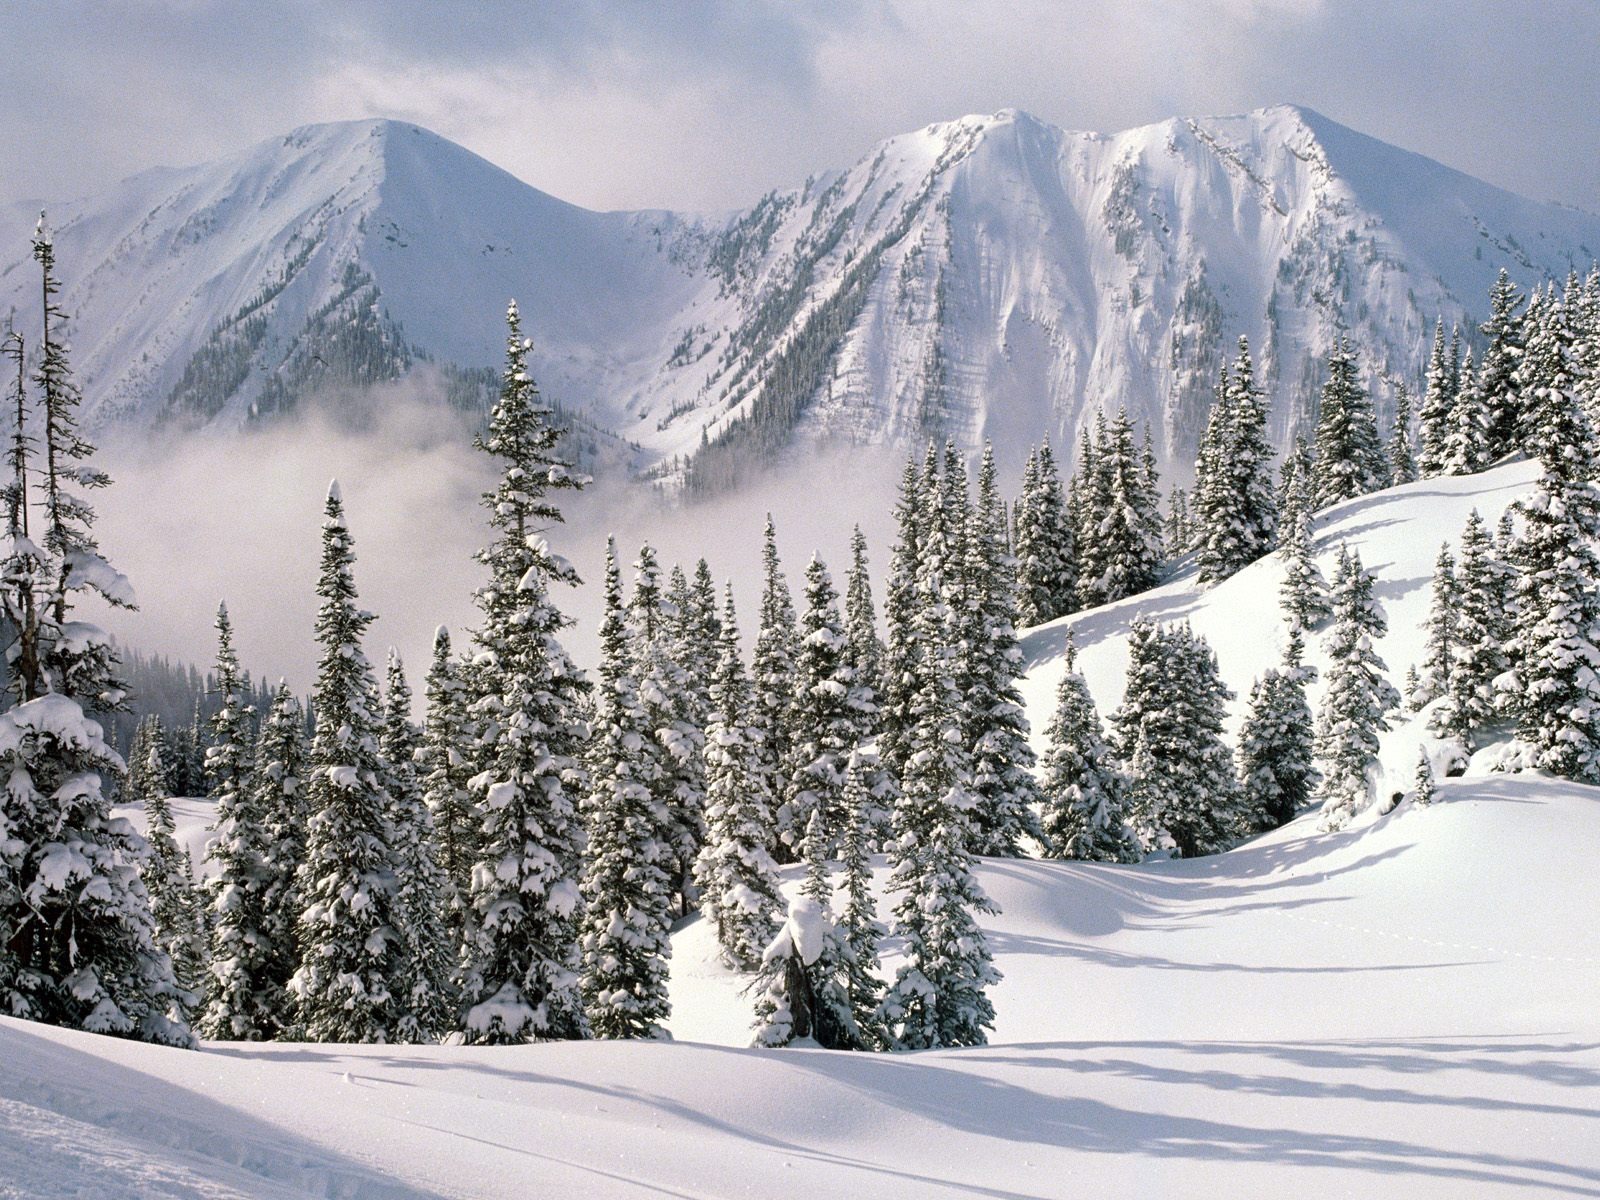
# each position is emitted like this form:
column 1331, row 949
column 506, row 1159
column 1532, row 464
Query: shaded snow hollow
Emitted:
column 1406, row 1007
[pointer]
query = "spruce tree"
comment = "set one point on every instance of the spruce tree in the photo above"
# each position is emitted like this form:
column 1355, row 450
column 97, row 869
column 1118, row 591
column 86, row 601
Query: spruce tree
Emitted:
column 1211, row 492
column 902, row 652
column 1438, row 410
column 1350, row 460
column 1422, row 793
column 519, row 976
column 824, row 720
column 1479, row 631
column 666, row 694
column 278, row 783
column 939, row 996
column 350, row 941
column 627, row 882
column 445, row 773
column 1553, row 688
column 77, row 939
column 242, row 1003
column 736, row 874
column 995, row 722
column 863, row 932
column 1296, row 485
column 429, row 955
column 1468, row 450
column 1438, row 656
column 1130, row 552
column 1358, row 698
column 1402, row 459
column 1183, row 796
column 1276, row 764
column 865, row 655
column 1084, row 793
column 1502, row 396
column 1046, row 555
column 1304, row 591
column 773, row 680
column 174, row 901
column 1240, row 523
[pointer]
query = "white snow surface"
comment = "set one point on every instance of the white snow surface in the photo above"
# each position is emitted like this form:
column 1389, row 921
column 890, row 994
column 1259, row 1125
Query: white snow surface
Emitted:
column 1406, row 1007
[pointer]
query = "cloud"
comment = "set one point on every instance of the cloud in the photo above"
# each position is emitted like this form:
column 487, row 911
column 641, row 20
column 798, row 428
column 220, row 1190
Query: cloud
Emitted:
column 708, row 103
column 238, row 518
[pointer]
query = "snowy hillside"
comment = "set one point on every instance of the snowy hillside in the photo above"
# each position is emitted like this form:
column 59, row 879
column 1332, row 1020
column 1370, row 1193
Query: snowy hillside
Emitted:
column 1355, row 1014
column 991, row 277
column 1405, row 1007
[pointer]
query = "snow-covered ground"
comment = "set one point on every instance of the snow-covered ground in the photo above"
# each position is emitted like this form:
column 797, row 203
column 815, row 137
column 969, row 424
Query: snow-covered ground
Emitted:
column 1406, row 1008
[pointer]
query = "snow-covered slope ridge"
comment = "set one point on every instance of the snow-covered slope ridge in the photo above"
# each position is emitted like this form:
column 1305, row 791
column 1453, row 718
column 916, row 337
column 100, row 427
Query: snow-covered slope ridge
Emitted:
column 1402, row 1009
column 989, row 277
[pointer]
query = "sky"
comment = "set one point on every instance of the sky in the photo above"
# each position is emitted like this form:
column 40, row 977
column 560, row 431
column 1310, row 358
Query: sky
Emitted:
column 707, row 104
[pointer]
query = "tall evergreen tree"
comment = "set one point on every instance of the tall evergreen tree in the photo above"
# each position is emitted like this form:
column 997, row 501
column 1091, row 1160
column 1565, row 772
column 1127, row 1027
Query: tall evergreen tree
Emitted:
column 1304, row 591
column 863, row 932
column 902, row 652
column 445, row 770
column 1085, row 795
column 865, row 654
column 1240, row 523
column 77, row 939
column 519, row 978
column 825, row 726
column 1478, row 635
column 1045, row 543
column 429, row 954
column 1402, row 459
column 736, row 874
column 627, row 883
column 1438, row 659
column 1468, row 449
column 1350, row 460
column 278, row 783
column 1438, row 409
column 1130, row 551
column 1276, row 753
column 773, row 676
column 995, row 722
column 242, row 1004
column 1183, row 796
column 1358, row 698
column 1501, row 394
column 1554, row 686
column 168, row 877
column 350, row 943
column 939, row 996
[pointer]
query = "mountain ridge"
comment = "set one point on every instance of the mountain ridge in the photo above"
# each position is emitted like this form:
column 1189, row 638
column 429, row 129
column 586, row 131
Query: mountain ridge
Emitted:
column 989, row 277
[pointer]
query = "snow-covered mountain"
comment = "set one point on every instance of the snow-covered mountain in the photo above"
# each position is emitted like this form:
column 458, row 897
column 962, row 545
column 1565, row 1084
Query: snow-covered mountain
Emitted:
column 990, row 277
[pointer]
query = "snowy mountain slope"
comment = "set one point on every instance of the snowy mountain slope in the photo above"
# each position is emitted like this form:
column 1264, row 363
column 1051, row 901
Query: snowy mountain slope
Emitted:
column 990, row 277
column 1358, row 1014
column 1397, row 532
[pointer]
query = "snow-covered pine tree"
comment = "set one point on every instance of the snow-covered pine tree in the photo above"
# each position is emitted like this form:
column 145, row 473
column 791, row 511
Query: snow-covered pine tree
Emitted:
column 1276, row 756
column 1554, row 685
column 428, row 956
column 1093, row 502
column 627, row 882
column 1045, row 543
column 1501, row 394
column 1402, row 459
column 1358, row 698
column 939, row 996
column 1084, row 793
column 665, row 694
column 519, row 974
column 1467, row 448
column 1296, row 494
column 445, row 771
column 278, row 782
column 1436, row 420
column 773, row 681
column 1183, row 796
column 1177, row 531
column 1422, row 792
column 995, row 724
column 1304, row 592
column 1434, row 679
column 242, row 1001
column 902, row 653
column 77, row 939
column 1130, row 549
column 1479, row 631
column 1243, row 522
column 824, row 723
column 350, row 942
column 174, row 901
column 859, row 923
column 802, row 991
column 1350, row 461
column 865, row 654
column 736, row 874
column 199, row 743
column 1212, row 500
